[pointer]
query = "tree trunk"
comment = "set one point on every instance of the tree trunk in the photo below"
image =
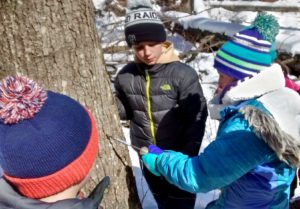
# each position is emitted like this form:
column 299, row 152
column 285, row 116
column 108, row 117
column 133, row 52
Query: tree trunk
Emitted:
column 55, row 42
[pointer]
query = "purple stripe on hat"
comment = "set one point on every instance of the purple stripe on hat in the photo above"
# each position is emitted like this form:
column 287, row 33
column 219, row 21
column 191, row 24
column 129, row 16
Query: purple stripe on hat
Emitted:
column 251, row 41
column 229, row 71
column 253, row 33
column 243, row 58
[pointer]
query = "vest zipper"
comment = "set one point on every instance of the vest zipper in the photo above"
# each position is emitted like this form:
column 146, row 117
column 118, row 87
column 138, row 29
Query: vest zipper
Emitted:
column 152, row 129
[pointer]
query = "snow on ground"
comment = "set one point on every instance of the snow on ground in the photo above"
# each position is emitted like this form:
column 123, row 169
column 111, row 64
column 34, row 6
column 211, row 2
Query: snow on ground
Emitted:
column 99, row 3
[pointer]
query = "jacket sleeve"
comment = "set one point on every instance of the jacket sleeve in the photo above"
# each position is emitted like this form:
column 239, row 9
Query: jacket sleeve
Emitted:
column 193, row 112
column 124, row 109
column 224, row 161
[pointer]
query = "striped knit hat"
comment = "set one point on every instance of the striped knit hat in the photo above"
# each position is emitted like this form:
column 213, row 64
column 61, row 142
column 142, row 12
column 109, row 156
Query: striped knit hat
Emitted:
column 48, row 141
column 142, row 23
column 251, row 50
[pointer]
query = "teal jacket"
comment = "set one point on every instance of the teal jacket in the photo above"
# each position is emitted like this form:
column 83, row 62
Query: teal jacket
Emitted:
column 253, row 157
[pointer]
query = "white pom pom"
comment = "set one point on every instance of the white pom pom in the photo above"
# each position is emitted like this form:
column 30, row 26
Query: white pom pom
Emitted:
column 135, row 4
column 20, row 98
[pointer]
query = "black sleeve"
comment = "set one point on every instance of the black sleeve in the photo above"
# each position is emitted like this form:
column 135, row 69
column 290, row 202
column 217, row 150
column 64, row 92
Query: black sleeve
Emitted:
column 122, row 102
column 193, row 112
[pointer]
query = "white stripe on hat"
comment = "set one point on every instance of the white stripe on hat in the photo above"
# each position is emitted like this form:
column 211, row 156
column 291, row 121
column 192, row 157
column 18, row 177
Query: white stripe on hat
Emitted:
column 251, row 45
column 253, row 39
column 142, row 16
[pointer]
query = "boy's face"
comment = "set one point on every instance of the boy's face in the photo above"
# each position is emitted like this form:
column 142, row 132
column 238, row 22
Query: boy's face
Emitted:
column 223, row 81
column 148, row 52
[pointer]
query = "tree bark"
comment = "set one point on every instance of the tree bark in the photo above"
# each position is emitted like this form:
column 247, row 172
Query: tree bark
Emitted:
column 55, row 42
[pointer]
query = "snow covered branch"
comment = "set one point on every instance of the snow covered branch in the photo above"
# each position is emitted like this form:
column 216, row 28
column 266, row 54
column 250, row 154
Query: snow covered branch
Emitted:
column 254, row 6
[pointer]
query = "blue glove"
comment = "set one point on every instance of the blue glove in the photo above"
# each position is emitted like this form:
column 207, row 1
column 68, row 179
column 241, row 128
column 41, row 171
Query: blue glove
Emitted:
column 150, row 159
column 154, row 149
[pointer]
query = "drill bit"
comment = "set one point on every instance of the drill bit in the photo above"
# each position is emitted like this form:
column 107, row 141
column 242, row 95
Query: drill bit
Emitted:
column 142, row 151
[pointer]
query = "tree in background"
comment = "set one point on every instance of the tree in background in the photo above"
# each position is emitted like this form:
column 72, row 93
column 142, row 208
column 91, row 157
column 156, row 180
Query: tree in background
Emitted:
column 55, row 42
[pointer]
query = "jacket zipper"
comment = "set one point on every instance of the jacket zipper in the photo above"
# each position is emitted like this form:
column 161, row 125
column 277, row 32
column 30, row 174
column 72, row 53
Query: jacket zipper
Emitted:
column 149, row 107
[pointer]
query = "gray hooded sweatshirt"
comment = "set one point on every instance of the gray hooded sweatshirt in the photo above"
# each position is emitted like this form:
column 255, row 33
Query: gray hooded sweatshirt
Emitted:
column 10, row 199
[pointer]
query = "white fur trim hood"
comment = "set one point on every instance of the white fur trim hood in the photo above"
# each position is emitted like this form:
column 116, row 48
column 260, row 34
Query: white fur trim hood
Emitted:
column 282, row 131
column 258, row 85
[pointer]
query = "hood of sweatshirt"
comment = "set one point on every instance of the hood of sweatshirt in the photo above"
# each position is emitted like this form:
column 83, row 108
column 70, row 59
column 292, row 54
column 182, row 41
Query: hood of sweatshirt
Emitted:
column 168, row 54
column 10, row 199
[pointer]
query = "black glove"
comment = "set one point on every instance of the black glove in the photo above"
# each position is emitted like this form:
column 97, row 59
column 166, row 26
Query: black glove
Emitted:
column 97, row 194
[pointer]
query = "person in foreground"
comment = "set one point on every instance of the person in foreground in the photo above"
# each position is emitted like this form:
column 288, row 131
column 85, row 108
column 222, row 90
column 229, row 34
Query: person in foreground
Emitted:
column 48, row 145
column 257, row 147
column 161, row 97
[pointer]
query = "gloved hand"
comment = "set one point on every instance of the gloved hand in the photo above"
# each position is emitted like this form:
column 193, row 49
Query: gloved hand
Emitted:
column 97, row 194
column 149, row 159
column 154, row 149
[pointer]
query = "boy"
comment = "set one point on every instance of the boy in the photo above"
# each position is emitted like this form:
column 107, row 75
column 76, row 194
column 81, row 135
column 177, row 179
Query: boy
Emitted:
column 161, row 97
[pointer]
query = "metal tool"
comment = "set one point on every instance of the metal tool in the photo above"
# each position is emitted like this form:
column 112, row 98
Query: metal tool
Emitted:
column 142, row 150
column 126, row 143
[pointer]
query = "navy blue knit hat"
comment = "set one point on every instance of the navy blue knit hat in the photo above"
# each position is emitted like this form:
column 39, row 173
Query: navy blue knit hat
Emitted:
column 48, row 141
column 251, row 50
column 143, row 24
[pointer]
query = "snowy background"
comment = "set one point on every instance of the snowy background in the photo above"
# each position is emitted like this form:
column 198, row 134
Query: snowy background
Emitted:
column 111, row 32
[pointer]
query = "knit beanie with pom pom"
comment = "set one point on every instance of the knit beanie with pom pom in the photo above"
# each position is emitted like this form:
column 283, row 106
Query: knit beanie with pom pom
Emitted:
column 48, row 141
column 251, row 50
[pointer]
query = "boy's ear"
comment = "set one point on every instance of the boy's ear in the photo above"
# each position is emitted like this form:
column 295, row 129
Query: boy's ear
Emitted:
column 97, row 194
